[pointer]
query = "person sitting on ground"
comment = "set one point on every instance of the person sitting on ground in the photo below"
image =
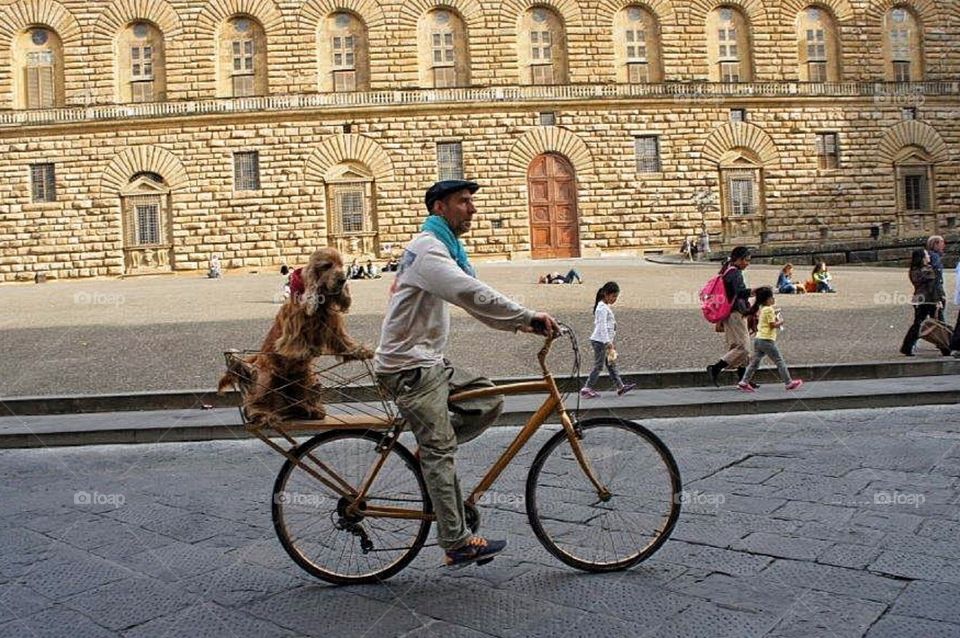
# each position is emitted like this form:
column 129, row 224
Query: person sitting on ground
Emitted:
column 355, row 271
column 215, row 271
column 785, row 283
column 371, row 271
column 557, row 278
column 392, row 265
column 821, row 277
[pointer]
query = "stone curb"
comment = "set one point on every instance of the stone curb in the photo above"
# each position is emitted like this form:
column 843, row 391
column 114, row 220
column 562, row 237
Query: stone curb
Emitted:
column 517, row 416
column 178, row 400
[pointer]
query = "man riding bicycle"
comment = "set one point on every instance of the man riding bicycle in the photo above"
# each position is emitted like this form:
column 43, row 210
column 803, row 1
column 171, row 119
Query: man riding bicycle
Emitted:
column 409, row 361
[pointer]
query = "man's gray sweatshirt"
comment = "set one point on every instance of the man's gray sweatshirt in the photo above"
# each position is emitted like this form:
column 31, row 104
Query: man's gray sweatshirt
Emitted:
column 417, row 323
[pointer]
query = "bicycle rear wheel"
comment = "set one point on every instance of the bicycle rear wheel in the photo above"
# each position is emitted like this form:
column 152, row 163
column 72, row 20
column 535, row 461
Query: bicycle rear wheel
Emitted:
column 314, row 528
column 579, row 528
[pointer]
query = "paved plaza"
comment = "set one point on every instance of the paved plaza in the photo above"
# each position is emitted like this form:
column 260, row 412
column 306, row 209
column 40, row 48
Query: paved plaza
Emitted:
column 168, row 333
column 800, row 525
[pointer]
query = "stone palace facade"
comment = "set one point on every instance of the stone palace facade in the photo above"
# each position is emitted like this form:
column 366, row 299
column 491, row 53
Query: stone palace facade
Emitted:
column 143, row 136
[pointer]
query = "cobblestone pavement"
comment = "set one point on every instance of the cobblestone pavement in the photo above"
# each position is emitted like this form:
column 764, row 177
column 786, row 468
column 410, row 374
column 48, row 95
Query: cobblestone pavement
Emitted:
column 829, row 524
column 168, row 333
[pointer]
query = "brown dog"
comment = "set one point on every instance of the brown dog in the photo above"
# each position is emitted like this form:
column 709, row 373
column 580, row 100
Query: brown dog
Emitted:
column 279, row 382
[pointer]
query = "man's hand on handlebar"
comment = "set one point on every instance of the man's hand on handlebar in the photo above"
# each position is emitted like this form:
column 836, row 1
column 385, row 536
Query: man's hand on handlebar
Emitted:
column 543, row 324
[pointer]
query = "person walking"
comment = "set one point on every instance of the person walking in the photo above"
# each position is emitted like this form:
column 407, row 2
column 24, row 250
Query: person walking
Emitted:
column 769, row 324
column 602, row 339
column 936, row 246
column 955, row 340
column 734, row 327
column 435, row 271
column 927, row 298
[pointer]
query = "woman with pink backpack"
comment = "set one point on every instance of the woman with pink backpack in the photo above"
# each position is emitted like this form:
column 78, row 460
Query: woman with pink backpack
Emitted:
column 734, row 326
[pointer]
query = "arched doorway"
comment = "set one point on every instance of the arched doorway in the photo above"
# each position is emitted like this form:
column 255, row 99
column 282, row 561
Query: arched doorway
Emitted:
column 554, row 224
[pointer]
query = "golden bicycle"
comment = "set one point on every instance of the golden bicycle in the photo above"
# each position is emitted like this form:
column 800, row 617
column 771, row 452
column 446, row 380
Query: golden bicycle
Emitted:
column 350, row 504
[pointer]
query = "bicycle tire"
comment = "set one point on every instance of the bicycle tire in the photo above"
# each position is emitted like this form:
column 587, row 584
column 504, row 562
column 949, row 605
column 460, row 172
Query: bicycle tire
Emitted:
column 346, row 537
column 562, row 529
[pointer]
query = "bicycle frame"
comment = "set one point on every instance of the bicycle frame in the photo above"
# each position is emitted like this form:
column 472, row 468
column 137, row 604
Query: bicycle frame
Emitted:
column 552, row 403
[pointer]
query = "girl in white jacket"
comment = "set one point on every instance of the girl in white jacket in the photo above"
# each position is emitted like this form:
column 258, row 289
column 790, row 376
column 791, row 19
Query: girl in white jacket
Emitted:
column 604, row 332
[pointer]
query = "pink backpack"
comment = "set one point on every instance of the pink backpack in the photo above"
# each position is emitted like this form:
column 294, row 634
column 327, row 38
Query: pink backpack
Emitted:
column 713, row 299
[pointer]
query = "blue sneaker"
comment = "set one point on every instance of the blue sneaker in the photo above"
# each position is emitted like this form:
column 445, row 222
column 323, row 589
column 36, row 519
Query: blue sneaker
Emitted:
column 476, row 550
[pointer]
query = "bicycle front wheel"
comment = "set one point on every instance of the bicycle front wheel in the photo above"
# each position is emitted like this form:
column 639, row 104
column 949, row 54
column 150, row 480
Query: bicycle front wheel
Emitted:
column 586, row 532
column 312, row 521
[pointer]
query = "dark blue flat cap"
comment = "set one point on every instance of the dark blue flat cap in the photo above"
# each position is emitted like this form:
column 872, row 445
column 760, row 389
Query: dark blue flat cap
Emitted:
column 444, row 187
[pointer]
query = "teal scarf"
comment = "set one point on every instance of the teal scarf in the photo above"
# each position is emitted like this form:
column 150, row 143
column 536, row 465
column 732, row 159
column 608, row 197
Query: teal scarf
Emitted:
column 439, row 228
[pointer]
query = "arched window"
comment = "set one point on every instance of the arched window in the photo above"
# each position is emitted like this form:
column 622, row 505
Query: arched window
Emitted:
column 243, row 58
column 444, row 54
column 543, row 47
column 902, row 46
column 916, row 195
column 140, row 64
column 728, row 40
column 38, row 60
column 145, row 203
column 637, row 39
column 742, row 198
column 818, row 45
column 351, row 218
column 343, row 54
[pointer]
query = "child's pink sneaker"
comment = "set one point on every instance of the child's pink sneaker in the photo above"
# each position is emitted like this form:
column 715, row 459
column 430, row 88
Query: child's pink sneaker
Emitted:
column 793, row 385
column 589, row 393
column 626, row 388
column 744, row 386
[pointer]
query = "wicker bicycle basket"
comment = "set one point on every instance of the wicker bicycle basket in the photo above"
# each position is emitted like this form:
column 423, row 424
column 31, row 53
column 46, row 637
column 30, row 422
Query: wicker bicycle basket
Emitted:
column 348, row 390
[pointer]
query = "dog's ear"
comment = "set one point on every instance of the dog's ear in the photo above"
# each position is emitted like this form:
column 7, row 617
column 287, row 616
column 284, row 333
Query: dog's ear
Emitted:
column 343, row 300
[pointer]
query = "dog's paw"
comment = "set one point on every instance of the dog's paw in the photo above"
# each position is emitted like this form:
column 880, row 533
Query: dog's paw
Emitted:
column 361, row 353
column 317, row 412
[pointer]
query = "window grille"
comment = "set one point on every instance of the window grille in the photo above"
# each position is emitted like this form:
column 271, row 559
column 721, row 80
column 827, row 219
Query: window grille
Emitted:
column 147, row 216
column 828, row 152
column 742, row 195
column 450, row 160
column 350, row 205
column 648, row 154
column 43, row 183
column 246, row 171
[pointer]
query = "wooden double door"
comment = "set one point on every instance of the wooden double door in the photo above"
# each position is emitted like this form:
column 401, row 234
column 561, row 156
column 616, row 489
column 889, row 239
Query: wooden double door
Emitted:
column 554, row 223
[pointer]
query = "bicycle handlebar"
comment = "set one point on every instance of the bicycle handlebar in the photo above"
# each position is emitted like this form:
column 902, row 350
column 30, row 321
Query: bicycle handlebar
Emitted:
column 548, row 343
